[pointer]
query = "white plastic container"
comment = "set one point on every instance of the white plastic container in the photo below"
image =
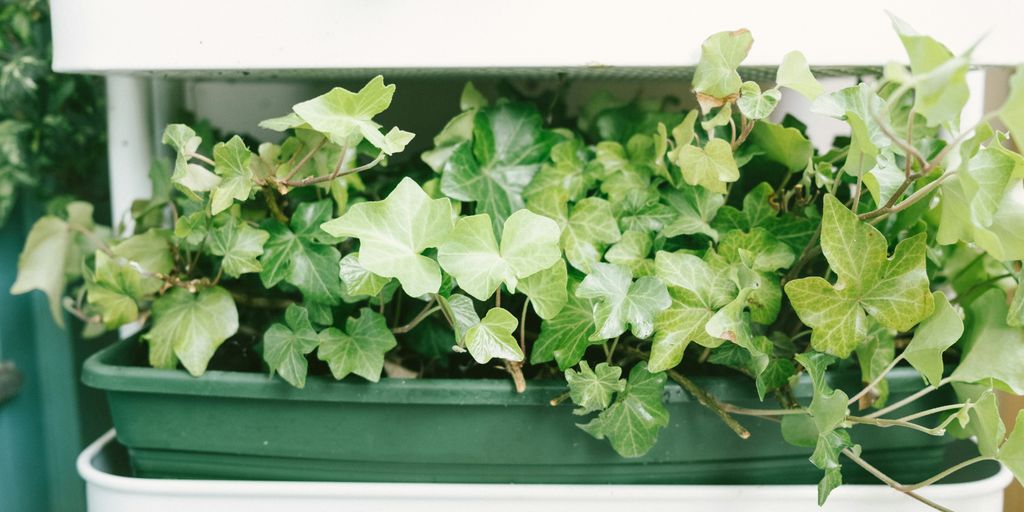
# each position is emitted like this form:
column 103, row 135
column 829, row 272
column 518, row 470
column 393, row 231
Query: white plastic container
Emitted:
column 110, row 492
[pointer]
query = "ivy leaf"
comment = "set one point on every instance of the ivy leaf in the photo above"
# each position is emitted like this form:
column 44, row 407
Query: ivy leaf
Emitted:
column 357, row 280
column 590, row 228
column 885, row 178
column 116, row 290
column 758, row 212
column 191, row 177
column 285, row 346
column 862, row 153
column 991, row 174
column 894, row 291
column 935, row 334
column 632, row 423
column 547, row 289
column 781, row 144
column 1012, row 112
column 828, row 411
column 393, row 232
column 757, row 249
column 641, row 210
column 566, row 336
column 359, row 350
column 697, row 291
column 470, row 253
column 874, row 355
column 508, row 146
column 592, row 390
column 631, row 252
column 984, row 421
column 189, row 327
column 715, row 81
column 1003, row 240
column 733, row 324
column 231, row 163
column 863, row 101
column 993, row 349
column 622, row 301
column 492, row 337
column 303, row 255
column 50, row 248
column 346, row 117
column 239, row 244
column 710, row 167
column 464, row 314
column 940, row 86
column 795, row 74
column 564, row 173
column 695, row 207
column 756, row 104
column 1012, row 452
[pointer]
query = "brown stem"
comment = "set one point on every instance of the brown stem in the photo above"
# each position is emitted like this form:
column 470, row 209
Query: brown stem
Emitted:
column 423, row 314
column 298, row 167
column 710, row 402
column 202, row 158
column 338, row 172
column 275, row 208
column 515, row 369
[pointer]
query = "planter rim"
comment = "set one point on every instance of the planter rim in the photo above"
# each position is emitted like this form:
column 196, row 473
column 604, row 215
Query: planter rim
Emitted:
column 629, row 493
column 106, row 370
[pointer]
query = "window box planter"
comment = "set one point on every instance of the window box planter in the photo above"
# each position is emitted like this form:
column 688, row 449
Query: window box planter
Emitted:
column 235, row 425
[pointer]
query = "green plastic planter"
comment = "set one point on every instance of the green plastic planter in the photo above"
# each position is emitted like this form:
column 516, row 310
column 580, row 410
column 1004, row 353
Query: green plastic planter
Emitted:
column 228, row 425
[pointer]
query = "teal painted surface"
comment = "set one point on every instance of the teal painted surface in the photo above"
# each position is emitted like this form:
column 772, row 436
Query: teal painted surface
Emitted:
column 43, row 428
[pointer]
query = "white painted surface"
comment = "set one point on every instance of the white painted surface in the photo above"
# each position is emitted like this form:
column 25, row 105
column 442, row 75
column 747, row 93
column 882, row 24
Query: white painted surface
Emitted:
column 129, row 145
column 104, row 36
column 111, row 493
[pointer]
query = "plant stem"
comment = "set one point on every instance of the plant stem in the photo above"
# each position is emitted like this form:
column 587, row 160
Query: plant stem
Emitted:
column 929, row 412
column 710, row 402
column 559, row 399
column 947, row 472
column 907, row 400
column 522, row 326
column 889, row 481
column 978, row 286
column 423, row 314
column 275, row 209
column 884, row 423
column 875, row 382
column 313, row 180
column 743, row 411
column 202, row 158
column 295, row 170
column 610, row 352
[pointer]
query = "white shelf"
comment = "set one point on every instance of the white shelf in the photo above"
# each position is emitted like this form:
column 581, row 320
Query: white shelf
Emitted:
column 330, row 37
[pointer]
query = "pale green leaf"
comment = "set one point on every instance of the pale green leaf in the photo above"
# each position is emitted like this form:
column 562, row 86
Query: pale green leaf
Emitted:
column 357, row 280
column 492, row 337
column 566, row 337
column 995, row 350
column 715, row 80
column 622, row 301
column 590, row 228
column 1012, row 112
column 1012, row 452
column 984, row 421
column 935, row 334
column 711, row 166
column 231, row 160
column 346, row 117
column 360, row 349
column 547, row 290
column 894, row 291
column 394, row 232
column 755, row 104
column 786, row 146
column 696, row 207
column 940, row 79
column 189, row 327
column 303, row 255
column 592, row 389
column 861, row 153
column 631, row 251
column 794, row 73
column 885, row 178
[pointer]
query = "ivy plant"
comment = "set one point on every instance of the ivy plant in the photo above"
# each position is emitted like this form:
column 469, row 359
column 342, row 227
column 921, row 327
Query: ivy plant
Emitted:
column 627, row 248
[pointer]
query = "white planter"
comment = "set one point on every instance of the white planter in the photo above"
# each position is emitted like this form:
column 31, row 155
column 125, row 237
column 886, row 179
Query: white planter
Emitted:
column 109, row 492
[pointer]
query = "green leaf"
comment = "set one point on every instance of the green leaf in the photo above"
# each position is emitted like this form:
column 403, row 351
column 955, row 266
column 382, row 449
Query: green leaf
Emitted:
column 463, row 312
column 828, row 406
column 360, row 349
column 621, row 301
column 117, row 289
column 862, row 153
column 48, row 250
column 239, row 244
column 894, row 291
column 756, row 104
column 393, row 232
column 565, row 337
column 193, row 178
column 492, row 337
column 508, row 146
column 189, row 327
column 231, row 161
column 885, row 178
column 795, row 74
column 799, row 430
column 992, row 173
column 631, row 252
column 935, row 334
column 710, row 167
column 874, row 355
column 715, row 81
column 1003, row 239
column 984, row 421
column 697, row 291
column 357, row 280
column 940, row 79
column 303, row 255
column 732, row 324
column 285, row 346
column 828, row 411
column 1012, row 452
column 564, row 173
column 592, row 390
column 346, row 117
column 640, row 210
column 1012, row 112
column 632, row 423
column 471, row 98
column 470, row 253
column 786, row 146
column 759, row 212
column 590, row 228
column 863, row 101
column 757, row 249
column 695, row 207
column 547, row 289
column 993, row 349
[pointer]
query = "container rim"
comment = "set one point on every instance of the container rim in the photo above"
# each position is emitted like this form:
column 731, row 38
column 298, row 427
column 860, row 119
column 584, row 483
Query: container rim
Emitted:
column 107, row 370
